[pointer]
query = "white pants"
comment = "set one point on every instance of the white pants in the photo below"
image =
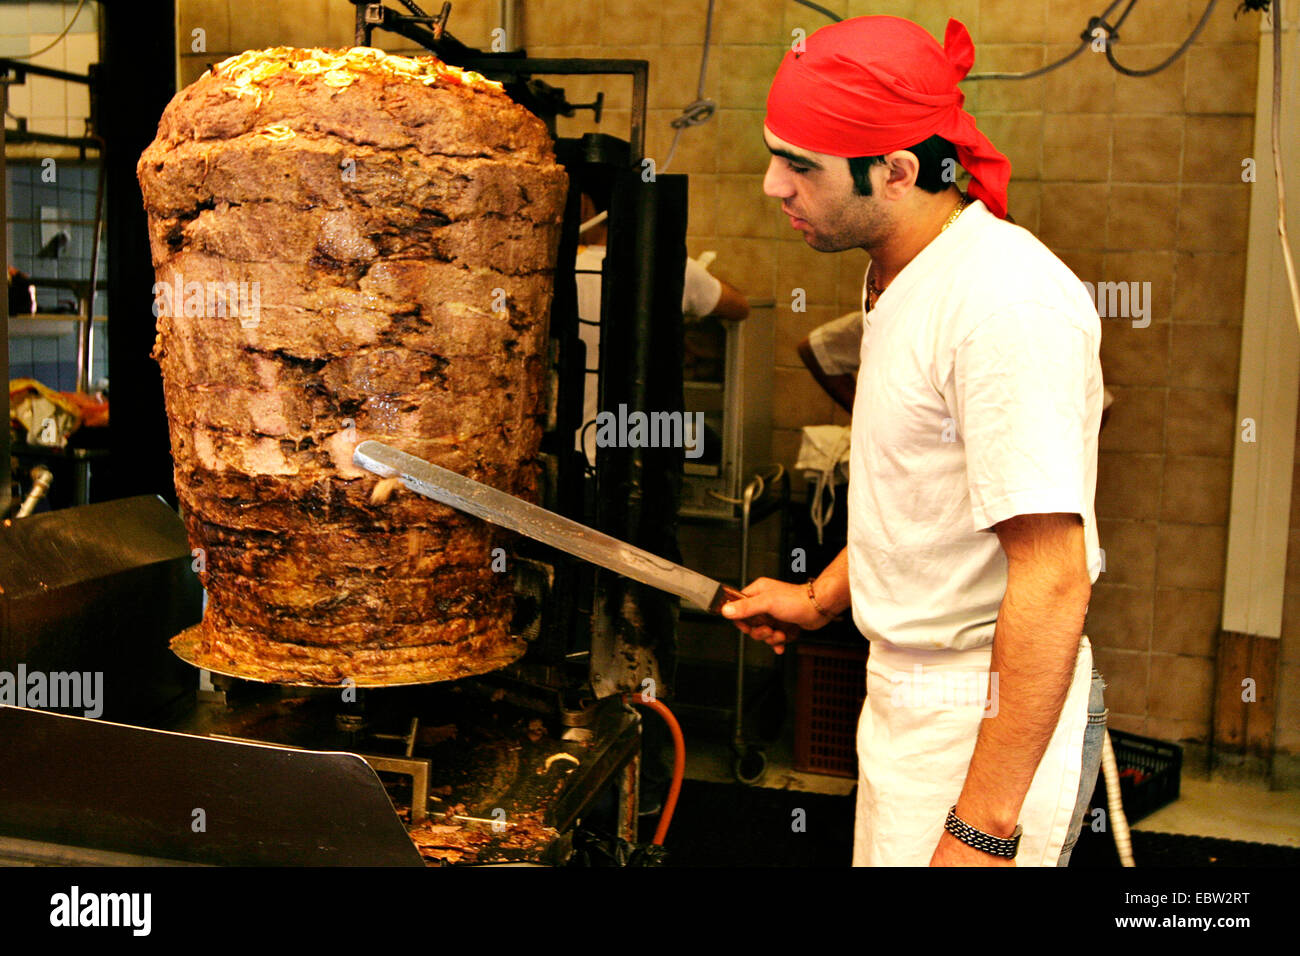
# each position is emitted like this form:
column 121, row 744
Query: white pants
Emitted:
column 915, row 739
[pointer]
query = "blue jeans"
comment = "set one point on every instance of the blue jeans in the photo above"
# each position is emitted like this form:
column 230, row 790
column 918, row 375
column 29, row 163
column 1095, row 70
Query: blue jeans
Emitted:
column 1092, row 745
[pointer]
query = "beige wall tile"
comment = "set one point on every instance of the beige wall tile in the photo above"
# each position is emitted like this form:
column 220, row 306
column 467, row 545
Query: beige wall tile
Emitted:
column 1012, row 21
column 1190, row 556
column 49, row 97
column 1156, row 268
column 675, row 77
column 210, row 16
column 1025, row 202
column 683, row 21
column 1147, row 149
column 697, row 147
column 1142, row 217
column 1084, row 85
column 1205, row 356
column 1164, row 92
column 751, row 21
column 1215, row 148
column 799, row 266
column 1228, row 24
column 1020, row 137
column 785, row 449
column 745, row 74
column 986, row 97
column 702, row 219
column 793, row 327
column 1074, row 216
column 1210, row 287
column 1137, row 420
column 1127, row 723
column 1126, row 678
column 1184, row 690
column 1076, row 147
column 255, row 24
column 1201, row 422
column 853, row 269
column 802, row 400
column 740, row 141
column 743, row 210
column 192, row 67
column 1087, row 266
column 796, row 16
column 1120, row 617
column 748, row 264
column 1186, row 622
column 1128, row 485
column 1178, row 731
column 1221, row 78
column 934, row 16
column 1213, row 218
column 1130, row 548
column 1196, row 490
column 1132, row 356
column 623, row 22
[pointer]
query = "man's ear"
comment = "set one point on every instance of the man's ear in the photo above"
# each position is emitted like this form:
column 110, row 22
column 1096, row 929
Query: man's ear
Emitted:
column 903, row 167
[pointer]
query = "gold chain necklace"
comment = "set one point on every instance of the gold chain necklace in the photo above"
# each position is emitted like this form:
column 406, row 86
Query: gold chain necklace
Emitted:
column 873, row 290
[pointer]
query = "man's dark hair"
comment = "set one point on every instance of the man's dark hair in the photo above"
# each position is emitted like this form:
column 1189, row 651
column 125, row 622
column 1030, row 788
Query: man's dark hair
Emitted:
column 934, row 176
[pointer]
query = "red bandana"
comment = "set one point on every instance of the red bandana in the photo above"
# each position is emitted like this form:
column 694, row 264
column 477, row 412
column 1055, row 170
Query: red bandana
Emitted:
column 871, row 85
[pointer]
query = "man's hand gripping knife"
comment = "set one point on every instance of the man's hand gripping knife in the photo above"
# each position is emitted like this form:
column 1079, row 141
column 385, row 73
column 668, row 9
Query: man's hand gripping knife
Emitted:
column 792, row 608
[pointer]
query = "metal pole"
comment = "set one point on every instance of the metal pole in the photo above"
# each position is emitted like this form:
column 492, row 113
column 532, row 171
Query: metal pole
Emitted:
column 85, row 333
column 5, row 490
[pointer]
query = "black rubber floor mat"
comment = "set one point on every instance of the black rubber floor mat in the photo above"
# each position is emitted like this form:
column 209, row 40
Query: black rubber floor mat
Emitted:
column 718, row 824
column 732, row 825
column 1176, row 849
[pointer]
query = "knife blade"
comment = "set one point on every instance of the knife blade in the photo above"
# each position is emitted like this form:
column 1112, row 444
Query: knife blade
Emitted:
column 508, row 511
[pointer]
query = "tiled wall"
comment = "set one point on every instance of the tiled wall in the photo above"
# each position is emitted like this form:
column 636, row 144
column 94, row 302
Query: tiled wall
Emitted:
column 1134, row 180
column 232, row 26
column 38, row 207
column 51, row 106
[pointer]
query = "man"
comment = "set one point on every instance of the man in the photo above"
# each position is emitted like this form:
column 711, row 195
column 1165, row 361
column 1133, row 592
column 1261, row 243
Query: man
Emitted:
column 972, row 538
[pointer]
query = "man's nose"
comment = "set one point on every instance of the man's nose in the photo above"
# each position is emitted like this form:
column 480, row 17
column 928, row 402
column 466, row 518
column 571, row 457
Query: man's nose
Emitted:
column 774, row 183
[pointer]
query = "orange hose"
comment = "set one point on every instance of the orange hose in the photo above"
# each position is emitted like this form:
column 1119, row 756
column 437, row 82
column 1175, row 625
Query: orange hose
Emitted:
column 679, row 764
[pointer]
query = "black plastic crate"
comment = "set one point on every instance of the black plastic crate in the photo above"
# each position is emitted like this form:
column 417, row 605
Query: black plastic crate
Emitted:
column 1149, row 774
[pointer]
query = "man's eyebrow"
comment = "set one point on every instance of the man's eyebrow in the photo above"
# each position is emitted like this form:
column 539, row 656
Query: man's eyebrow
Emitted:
column 794, row 157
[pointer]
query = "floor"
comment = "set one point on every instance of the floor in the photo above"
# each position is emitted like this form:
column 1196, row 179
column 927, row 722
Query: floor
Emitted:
column 1211, row 808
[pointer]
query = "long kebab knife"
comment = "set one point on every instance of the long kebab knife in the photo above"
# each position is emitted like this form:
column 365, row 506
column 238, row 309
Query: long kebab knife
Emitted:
column 482, row 501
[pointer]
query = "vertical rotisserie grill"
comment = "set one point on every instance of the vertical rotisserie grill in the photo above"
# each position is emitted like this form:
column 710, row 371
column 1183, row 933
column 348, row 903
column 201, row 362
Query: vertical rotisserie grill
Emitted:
column 348, row 245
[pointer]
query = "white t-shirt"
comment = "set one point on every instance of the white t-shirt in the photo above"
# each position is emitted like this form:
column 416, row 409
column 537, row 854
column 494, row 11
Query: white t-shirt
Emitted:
column 700, row 295
column 979, row 398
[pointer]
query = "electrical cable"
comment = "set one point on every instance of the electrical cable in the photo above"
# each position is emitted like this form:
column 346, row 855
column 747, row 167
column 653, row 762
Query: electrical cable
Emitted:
column 778, row 471
column 819, row 9
column 679, row 764
column 1111, row 35
column 1196, row 31
column 1084, row 43
column 702, row 109
column 55, row 42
